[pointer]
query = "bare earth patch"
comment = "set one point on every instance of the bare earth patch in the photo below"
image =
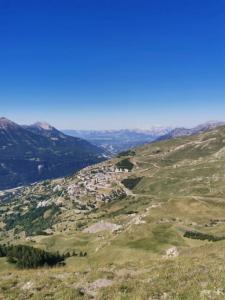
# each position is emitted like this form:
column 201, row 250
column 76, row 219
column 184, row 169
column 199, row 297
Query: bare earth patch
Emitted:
column 100, row 283
column 102, row 226
column 92, row 288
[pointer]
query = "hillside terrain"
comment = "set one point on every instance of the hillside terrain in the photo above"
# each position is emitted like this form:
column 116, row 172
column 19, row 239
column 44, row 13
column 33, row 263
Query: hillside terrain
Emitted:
column 33, row 153
column 147, row 224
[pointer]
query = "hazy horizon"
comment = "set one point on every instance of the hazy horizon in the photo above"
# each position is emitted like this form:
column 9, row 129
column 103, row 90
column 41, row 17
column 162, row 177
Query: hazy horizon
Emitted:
column 150, row 127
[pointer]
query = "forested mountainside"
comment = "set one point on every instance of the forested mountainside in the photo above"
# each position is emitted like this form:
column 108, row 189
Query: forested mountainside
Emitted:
column 33, row 153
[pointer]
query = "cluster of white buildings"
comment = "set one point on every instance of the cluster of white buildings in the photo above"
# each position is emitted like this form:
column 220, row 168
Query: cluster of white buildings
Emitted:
column 95, row 182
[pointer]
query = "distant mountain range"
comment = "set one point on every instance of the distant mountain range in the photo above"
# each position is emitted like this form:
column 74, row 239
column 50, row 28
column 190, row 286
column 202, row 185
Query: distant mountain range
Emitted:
column 116, row 141
column 179, row 132
column 32, row 153
column 40, row 151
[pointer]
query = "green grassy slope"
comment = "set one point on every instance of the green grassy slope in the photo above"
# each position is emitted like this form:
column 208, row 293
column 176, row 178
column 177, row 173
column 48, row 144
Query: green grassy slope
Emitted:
column 179, row 187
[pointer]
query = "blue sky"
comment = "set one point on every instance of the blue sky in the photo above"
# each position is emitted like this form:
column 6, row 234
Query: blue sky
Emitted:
column 113, row 63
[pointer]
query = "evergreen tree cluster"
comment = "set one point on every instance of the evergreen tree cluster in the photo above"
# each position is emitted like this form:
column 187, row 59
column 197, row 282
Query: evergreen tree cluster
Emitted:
column 125, row 164
column 35, row 216
column 131, row 183
column 74, row 253
column 202, row 236
column 126, row 153
column 29, row 257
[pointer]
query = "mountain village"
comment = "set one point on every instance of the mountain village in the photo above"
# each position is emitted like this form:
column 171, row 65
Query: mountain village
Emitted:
column 101, row 183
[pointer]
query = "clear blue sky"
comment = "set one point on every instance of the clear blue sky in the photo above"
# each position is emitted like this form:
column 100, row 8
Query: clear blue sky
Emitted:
column 113, row 63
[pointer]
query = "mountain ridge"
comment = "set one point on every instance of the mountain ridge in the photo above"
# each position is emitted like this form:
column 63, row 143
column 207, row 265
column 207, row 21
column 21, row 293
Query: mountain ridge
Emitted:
column 182, row 131
column 31, row 153
column 116, row 141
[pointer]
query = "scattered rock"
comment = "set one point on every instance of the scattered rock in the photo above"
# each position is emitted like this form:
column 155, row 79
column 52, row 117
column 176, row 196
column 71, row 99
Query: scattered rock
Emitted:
column 137, row 220
column 28, row 286
column 212, row 294
column 57, row 188
column 171, row 253
column 43, row 203
column 92, row 288
column 61, row 275
column 100, row 283
column 163, row 296
column 127, row 272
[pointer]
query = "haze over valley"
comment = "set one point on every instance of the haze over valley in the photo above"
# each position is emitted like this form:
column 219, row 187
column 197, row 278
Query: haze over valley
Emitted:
column 115, row 141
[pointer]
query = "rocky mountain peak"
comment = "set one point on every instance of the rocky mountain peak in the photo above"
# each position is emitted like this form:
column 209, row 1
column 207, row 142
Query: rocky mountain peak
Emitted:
column 43, row 125
column 6, row 123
